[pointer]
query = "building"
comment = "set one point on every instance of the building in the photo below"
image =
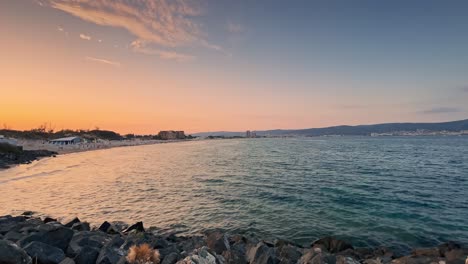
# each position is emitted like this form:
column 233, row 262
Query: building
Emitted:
column 66, row 141
column 247, row 134
column 250, row 134
column 170, row 134
column 10, row 141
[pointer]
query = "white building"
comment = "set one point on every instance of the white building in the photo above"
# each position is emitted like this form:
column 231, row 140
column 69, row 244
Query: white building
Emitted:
column 10, row 141
column 66, row 141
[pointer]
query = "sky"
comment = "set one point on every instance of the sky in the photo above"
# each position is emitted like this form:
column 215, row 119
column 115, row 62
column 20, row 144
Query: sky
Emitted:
column 217, row 65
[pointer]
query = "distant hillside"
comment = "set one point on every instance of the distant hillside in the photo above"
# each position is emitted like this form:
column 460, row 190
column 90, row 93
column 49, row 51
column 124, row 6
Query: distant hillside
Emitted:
column 361, row 130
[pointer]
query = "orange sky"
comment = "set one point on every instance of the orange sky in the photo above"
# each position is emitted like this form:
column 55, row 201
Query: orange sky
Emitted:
column 184, row 66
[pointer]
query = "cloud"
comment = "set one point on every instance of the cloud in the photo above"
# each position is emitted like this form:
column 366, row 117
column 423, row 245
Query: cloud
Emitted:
column 464, row 89
column 59, row 28
column 85, row 37
column 138, row 46
column 442, row 110
column 161, row 23
column 235, row 28
column 103, row 61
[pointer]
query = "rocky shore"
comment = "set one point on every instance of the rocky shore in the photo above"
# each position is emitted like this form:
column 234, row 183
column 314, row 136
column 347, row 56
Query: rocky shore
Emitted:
column 30, row 239
column 9, row 158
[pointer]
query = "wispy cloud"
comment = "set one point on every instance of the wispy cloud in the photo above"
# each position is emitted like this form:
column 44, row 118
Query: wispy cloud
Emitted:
column 235, row 28
column 442, row 110
column 59, row 28
column 163, row 54
column 160, row 23
column 103, row 61
column 85, row 37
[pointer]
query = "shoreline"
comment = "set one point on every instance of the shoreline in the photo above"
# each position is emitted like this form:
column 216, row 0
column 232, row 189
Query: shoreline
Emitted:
column 38, row 149
column 27, row 238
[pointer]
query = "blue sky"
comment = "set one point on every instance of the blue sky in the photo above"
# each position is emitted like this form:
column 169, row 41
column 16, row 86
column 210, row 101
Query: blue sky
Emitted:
column 235, row 65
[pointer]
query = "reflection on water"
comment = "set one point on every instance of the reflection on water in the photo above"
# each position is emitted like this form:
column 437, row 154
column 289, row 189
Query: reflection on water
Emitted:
column 398, row 191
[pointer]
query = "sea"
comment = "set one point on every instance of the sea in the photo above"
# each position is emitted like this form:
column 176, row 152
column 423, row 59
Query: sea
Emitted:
column 398, row 192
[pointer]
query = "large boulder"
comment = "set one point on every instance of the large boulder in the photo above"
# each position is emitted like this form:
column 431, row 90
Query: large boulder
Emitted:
column 288, row 253
column 200, row 256
column 10, row 253
column 8, row 222
column 261, row 253
column 332, row 244
column 217, row 241
column 54, row 235
column 43, row 253
column 172, row 258
column 86, row 255
column 138, row 227
column 72, row 222
column 111, row 252
column 86, row 239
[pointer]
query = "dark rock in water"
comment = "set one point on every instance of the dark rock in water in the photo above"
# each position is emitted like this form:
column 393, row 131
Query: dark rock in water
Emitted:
column 10, row 253
column 110, row 253
column 43, row 253
column 86, row 255
column 237, row 252
column 54, row 235
column 172, row 258
column 28, row 213
column 261, row 254
column 72, row 222
column 138, row 226
column 49, row 219
column 81, row 226
column 188, row 244
column 67, row 261
column 217, row 241
column 86, row 238
column 332, row 245
column 106, row 227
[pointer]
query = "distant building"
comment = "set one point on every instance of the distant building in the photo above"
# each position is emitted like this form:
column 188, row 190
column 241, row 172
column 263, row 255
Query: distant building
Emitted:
column 10, row 141
column 170, row 134
column 66, row 141
column 250, row 134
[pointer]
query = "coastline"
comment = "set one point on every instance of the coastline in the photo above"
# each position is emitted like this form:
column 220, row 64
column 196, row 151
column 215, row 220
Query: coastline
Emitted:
column 38, row 149
column 27, row 238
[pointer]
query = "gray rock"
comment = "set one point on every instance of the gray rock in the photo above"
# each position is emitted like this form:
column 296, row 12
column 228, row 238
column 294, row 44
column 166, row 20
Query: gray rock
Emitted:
column 86, row 255
column 13, row 236
column 288, row 254
column 72, row 222
column 43, row 253
column 138, row 227
column 86, row 238
column 416, row 260
column 172, row 258
column 8, row 222
column 10, row 253
column 54, row 235
column 49, row 219
column 332, row 244
column 217, row 241
column 200, row 256
column 111, row 252
column 346, row 260
column 81, row 226
column 261, row 254
column 67, row 261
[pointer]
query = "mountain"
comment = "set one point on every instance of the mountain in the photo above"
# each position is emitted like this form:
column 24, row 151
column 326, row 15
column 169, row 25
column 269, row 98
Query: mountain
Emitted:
column 360, row 130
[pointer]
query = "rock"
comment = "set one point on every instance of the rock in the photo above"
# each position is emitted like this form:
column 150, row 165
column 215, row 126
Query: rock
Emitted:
column 43, row 253
column 261, row 254
column 237, row 252
column 10, row 253
column 13, row 236
column 172, row 258
column 72, row 222
column 188, row 244
column 81, row 226
column 200, row 256
column 446, row 247
column 332, row 245
column 28, row 213
column 429, row 252
column 8, row 222
column 138, row 226
column 54, row 235
column 111, row 252
column 416, row 260
column 67, row 261
column 86, row 238
column 288, row 254
column 346, row 260
column 86, row 255
column 217, row 241
column 49, row 219
column 104, row 226
column 455, row 256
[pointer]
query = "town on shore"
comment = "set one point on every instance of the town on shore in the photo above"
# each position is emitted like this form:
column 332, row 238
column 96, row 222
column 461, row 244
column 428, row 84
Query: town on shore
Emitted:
column 29, row 239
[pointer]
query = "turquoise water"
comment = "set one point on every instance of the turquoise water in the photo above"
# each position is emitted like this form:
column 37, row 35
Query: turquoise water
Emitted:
column 396, row 191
